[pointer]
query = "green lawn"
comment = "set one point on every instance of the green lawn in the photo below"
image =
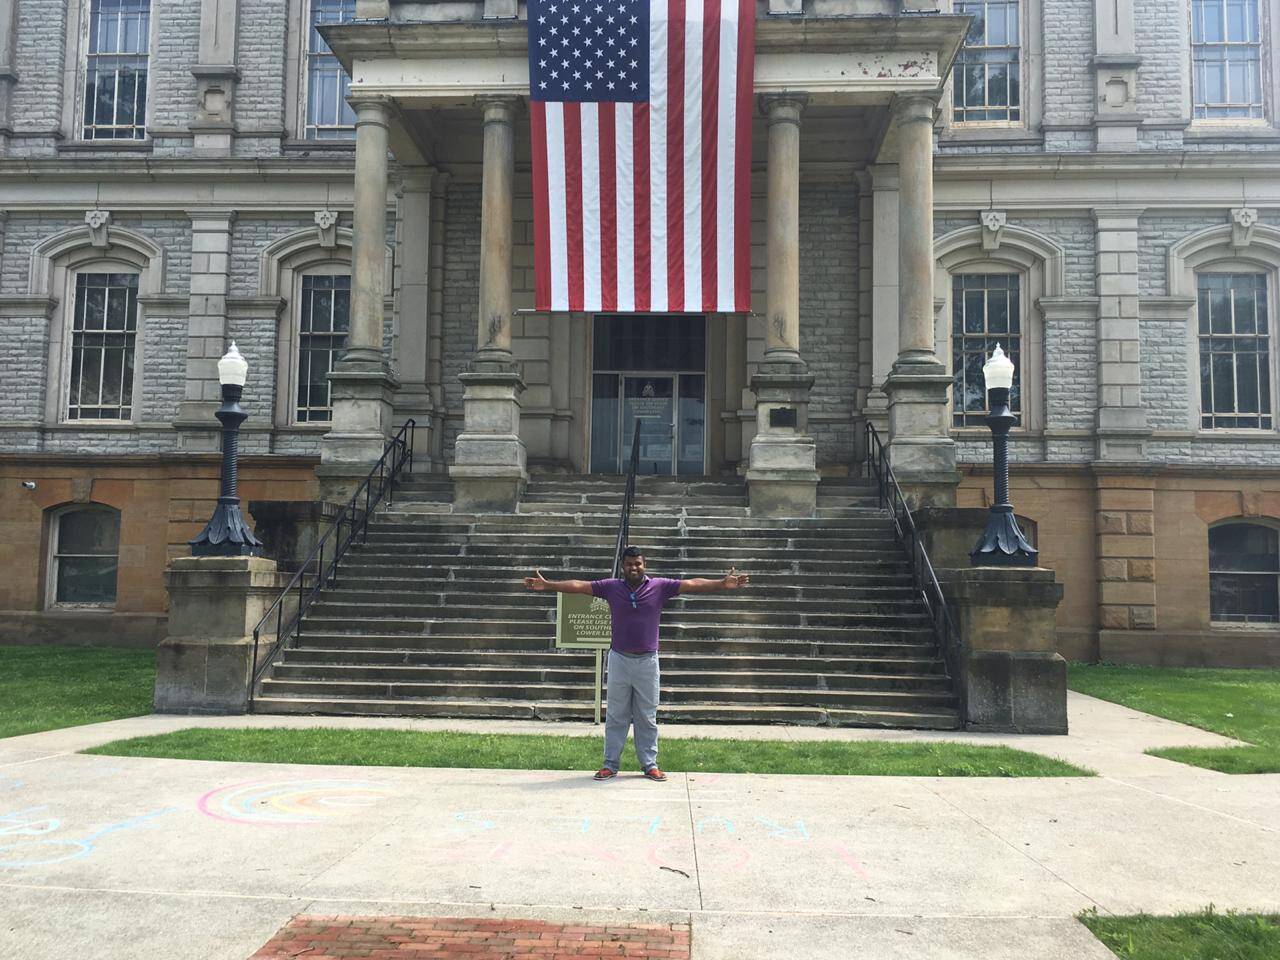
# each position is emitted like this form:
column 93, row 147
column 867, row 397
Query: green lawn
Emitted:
column 411, row 748
column 1207, row 935
column 1244, row 704
column 44, row 688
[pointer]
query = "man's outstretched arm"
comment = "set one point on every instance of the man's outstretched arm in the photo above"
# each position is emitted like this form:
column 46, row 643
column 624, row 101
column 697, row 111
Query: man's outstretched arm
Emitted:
column 730, row 581
column 541, row 583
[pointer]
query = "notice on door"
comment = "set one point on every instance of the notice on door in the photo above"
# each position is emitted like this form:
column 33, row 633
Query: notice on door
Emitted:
column 582, row 622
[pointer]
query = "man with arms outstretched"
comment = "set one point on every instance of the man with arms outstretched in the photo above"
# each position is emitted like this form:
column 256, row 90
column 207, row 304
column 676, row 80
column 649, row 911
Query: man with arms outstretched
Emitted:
column 635, row 603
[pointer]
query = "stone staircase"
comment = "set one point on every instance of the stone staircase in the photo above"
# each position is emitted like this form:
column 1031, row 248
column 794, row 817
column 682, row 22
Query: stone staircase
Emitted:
column 430, row 618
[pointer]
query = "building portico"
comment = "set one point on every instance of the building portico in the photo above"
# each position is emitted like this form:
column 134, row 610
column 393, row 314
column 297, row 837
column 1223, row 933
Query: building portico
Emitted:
column 836, row 96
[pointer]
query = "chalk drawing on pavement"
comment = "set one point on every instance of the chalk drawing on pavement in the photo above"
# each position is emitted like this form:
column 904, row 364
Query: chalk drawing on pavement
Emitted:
column 288, row 803
column 26, row 841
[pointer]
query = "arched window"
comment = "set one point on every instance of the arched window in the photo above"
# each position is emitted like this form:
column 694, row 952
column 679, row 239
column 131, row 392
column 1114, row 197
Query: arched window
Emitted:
column 84, row 555
column 1244, row 573
column 324, row 320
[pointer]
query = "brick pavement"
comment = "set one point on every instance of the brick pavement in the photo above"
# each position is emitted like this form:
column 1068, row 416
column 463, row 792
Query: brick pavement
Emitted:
column 452, row 938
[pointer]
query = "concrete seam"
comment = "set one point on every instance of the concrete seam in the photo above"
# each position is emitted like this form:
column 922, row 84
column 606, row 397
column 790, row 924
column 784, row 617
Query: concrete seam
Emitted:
column 1163, row 796
column 693, row 839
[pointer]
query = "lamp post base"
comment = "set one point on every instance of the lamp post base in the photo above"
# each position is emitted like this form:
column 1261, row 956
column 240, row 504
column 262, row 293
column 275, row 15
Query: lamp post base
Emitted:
column 227, row 534
column 1002, row 543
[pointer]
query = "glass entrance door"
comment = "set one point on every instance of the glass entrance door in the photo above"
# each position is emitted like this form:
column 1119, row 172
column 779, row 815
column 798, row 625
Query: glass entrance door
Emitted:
column 649, row 400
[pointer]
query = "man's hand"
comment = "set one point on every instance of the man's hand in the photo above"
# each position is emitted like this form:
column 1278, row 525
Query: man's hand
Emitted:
column 733, row 580
column 538, row 583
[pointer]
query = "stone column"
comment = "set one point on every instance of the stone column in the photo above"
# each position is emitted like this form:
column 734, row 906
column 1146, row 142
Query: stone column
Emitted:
column 413, row 346
column 884, row 291
column 1122, row 420
column 216, row 75
column 207, row 331
column 1125, row 524
column 920, row 448
column 362, row 384
column 1115, row 64
column 489, row 469
column 8, row 69
column 782, row 477
column 435, row 311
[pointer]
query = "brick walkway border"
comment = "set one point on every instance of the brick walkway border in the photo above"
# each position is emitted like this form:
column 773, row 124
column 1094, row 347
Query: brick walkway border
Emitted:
column 453, row 938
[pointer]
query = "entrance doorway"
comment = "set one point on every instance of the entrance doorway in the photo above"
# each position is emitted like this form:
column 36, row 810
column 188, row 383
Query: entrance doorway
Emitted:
column 651, row 368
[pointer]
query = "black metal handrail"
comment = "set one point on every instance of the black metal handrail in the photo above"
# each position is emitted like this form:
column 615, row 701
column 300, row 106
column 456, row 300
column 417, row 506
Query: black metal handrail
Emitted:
column 624, row 519
column 923, row 578
column 321, row 564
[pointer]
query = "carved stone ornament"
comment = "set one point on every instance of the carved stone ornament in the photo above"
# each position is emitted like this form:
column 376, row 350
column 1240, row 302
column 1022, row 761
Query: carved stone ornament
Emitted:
column 98, row 221
column 327, row 228
column 1243, row 220
column 993, row 224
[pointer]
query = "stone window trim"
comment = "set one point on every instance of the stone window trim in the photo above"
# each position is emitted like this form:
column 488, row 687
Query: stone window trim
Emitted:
column 55, row 264
column 1222, row 249
column 282, row 265
column 1027, row 130
column 1039, row 262
column 1265, row 522
column 52, row 554
column 74, row 71
column 1211, row 129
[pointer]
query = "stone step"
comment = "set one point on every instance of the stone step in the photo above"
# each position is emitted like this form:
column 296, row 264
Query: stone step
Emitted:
column 567, row 659
column 779, row 584
column 602, row 564
column 930, row 719
column 855, row 541
column 461, row 688
column 516, row 595
column 527, row 676
column 432, row 549
column 438, row 582
column 910, row 648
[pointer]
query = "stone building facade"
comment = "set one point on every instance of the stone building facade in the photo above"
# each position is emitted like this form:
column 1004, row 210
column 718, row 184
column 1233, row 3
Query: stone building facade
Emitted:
column 1105, row 192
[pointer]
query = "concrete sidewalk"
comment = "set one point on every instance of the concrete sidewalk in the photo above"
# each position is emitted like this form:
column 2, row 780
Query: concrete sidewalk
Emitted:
column 130, row 858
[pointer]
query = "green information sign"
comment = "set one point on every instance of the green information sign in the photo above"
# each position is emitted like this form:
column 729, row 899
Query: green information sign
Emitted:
column 582, row 622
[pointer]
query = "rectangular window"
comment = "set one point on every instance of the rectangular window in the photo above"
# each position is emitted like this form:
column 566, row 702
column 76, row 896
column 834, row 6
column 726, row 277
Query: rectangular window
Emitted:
column 86, row 557
column 326, row 320
column 1244, row 574
column 329, row 117
column 1235, row 351
column 103, row 336
column 115, row 86
column 986, row 78
column 985, row 311
column 1226, row 59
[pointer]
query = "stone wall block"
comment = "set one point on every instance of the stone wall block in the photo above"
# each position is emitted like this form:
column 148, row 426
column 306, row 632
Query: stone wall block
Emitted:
column 1141, row 523
column 1141, row 569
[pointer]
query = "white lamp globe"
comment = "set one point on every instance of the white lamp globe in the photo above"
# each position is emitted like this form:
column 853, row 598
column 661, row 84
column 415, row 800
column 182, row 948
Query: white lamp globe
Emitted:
column 998, row 371
column 232, row 368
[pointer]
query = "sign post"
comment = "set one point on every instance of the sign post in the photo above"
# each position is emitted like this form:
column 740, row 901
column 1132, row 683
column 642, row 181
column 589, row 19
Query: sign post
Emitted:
column 584, row 623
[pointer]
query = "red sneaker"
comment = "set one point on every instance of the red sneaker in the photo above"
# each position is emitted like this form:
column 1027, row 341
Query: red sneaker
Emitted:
column 604, row 773
column 653, row 773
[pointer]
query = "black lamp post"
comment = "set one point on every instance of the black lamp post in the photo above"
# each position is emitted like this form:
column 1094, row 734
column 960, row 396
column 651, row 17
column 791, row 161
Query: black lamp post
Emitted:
column 226, row 534
column 1002, row 543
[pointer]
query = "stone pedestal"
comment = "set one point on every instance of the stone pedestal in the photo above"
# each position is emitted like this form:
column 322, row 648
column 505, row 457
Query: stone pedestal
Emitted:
column 489, row 469
column 290, row 529
column 921, row 451
column 782, row 475
column 1013, row 679
column 363, row 395
column 204, row 664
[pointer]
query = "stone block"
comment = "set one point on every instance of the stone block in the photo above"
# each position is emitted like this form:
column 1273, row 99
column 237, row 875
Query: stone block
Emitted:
column 1118, row 545
column 1141, row 523
column 1139, row 569
column 1115, row 569
column 1142, row 618
column 1126, row 592
column 1015, row 692
column 1113, row 618
column 1109, row 522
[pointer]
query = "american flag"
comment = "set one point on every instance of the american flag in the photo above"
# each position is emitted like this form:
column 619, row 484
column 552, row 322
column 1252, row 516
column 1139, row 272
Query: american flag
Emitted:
column 641, row 117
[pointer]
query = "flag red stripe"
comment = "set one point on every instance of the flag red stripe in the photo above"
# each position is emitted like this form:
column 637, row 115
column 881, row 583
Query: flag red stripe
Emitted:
column 608, row 252
column 742, row 157
column 541, row 208
column 644, row 256
column 573, row 199
column 675, row 155
column 710, row 146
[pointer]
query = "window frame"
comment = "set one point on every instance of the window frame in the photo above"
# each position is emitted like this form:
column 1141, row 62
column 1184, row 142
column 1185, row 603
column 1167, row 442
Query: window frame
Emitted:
column 1023, row 365
column 1239, row 624
column 68, row 361
column 75, row 76
column 1030, row 84
column 1218, row 270
column 54, row 522
column 297, row 82
column 331, row 268
column 1269, row 34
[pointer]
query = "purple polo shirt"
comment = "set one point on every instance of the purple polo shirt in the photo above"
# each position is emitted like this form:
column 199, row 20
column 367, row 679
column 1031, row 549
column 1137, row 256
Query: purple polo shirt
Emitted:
column 635, row 630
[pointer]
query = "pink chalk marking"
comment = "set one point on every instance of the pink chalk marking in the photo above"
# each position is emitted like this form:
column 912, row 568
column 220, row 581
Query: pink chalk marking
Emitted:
column 849, row 860
column 203, row 806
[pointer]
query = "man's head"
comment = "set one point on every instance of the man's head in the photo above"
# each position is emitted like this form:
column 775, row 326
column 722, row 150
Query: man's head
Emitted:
column 633, row 566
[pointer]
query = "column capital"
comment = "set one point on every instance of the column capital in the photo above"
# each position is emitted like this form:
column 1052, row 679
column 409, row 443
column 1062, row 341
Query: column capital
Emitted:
column 417, row 179
column 223, row 215
column 498, row 108
column 783, row 107
column 914, row 108
column 370, row 108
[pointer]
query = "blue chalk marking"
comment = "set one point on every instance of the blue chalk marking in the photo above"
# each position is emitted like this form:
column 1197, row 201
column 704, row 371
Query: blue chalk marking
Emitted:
column 73, row 849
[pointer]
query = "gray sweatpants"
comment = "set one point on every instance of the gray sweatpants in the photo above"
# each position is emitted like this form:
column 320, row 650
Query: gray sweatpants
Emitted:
column 633, row 699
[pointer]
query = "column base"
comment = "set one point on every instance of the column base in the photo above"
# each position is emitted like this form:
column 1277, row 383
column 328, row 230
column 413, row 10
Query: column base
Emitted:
column 363, row 393
column 782, row 475
column 921, row 451
column 490, row 467
column 204, row 664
